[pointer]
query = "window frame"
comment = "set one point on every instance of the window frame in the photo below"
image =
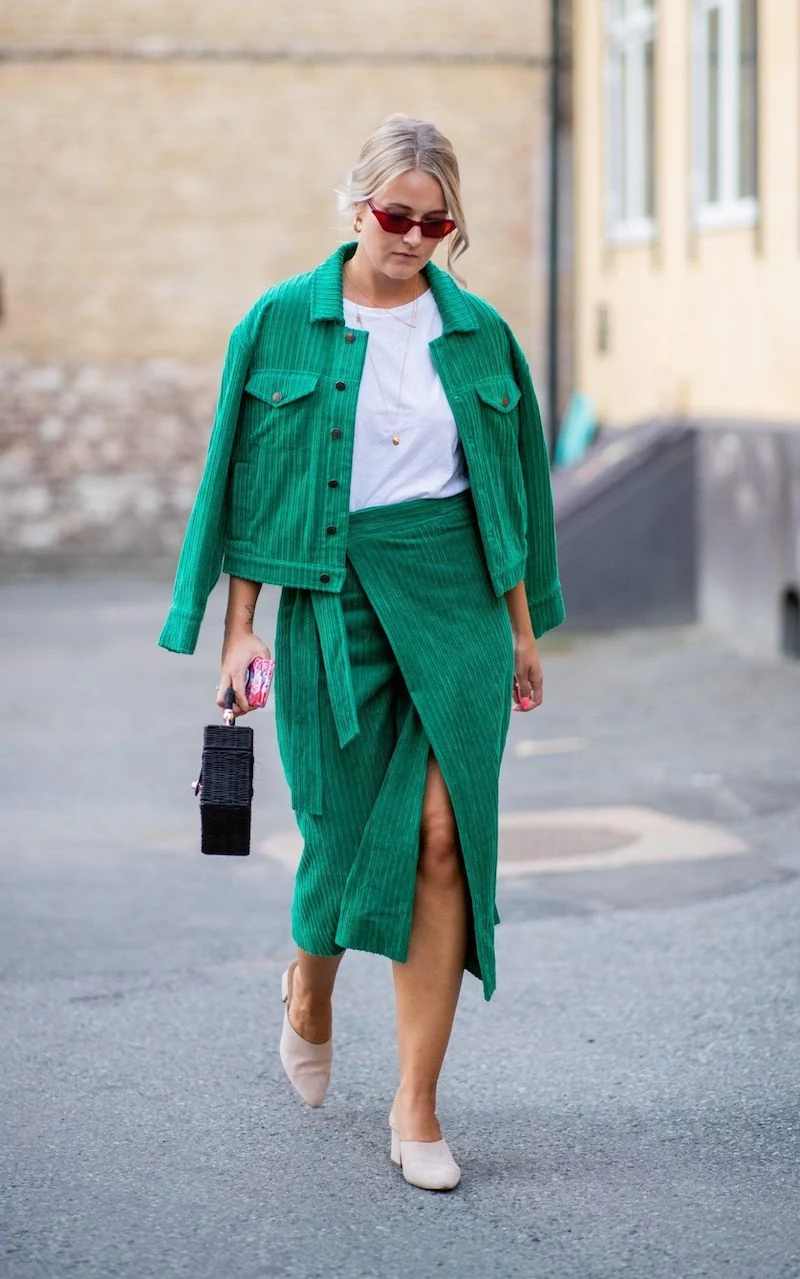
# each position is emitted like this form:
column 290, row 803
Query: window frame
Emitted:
column 729, row 209
column 630, row 25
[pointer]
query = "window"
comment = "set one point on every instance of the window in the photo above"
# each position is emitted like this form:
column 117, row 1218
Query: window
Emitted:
column 725, row 112
column 630, row 119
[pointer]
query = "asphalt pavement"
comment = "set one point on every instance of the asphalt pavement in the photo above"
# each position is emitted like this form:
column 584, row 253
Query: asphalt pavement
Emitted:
column 626, row 1105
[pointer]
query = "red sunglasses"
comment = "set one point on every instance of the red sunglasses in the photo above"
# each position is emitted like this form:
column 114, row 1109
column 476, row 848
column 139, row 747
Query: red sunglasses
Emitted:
column 397, row 224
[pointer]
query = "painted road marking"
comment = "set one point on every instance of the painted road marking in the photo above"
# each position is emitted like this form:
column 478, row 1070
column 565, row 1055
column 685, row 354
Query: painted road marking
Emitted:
column 625, row 836
column 553, row 746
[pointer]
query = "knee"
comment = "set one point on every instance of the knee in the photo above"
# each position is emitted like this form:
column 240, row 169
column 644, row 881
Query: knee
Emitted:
column 439, row 857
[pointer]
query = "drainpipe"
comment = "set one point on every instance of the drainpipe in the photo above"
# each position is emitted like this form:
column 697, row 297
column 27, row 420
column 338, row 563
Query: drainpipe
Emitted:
column 552, row 262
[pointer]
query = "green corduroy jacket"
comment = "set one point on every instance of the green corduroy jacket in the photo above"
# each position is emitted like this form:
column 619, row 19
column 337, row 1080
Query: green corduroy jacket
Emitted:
column 273, row 500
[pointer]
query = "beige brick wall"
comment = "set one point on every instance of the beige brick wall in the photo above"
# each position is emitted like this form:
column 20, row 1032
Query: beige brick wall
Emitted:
column 162, row 162
column 148, row 204
column 330, row 26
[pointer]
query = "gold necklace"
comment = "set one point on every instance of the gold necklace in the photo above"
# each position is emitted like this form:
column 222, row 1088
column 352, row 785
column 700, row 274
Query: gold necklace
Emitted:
column 395, row 436
column 411, row 324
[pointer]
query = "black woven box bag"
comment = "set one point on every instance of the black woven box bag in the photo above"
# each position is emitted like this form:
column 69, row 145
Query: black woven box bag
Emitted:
column 225, row 786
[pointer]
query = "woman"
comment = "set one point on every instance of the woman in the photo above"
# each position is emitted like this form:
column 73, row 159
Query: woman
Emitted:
column 378, row 453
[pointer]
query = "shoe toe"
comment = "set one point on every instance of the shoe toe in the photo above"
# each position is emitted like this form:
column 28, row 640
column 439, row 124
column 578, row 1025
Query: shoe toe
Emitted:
column 308, row 1066
column 429, row 1165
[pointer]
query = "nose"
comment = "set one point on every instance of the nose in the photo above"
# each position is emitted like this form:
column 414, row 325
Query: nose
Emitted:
column 413, row 237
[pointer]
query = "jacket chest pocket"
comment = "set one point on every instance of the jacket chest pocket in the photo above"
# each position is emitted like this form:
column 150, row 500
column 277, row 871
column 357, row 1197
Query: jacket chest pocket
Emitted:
column 279, row 405
column 498, row 398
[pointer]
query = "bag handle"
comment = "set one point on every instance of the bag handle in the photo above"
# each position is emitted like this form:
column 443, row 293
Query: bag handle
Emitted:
column 228, row 716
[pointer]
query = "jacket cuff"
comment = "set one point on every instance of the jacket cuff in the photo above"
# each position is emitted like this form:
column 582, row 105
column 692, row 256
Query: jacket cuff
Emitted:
column 547, row 611
column 180, row 631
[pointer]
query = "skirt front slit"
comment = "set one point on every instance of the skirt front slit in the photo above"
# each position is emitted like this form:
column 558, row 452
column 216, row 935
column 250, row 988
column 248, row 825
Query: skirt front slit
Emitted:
column 414, row 657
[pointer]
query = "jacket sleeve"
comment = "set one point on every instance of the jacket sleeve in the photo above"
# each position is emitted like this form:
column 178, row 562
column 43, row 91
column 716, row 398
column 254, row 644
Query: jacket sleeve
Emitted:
column 542, row 584
column 200, row 559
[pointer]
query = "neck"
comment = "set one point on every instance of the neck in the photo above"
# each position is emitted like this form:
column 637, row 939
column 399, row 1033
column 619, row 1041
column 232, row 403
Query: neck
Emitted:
column 375, row 287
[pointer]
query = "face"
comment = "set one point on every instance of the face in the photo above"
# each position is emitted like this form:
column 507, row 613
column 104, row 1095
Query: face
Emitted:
column 415, row 195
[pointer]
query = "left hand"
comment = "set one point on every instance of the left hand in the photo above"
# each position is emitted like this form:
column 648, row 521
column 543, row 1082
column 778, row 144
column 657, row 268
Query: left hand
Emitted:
column 238, row 651
column 528, row 682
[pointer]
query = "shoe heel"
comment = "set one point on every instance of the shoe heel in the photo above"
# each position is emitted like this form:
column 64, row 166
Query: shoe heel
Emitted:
column 396, row 1158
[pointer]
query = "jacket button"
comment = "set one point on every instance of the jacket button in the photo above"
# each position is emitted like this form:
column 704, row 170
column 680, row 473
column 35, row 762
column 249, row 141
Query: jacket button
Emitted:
column 505, row 401
column 331, row 529
column 336, row 433
column 324, row 577
column 349, row 337
column 277, row 397
column 333, row 484
column 340, row 386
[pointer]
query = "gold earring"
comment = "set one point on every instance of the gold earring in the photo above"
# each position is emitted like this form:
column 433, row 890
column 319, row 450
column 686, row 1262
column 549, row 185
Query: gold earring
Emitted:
column 357, row 224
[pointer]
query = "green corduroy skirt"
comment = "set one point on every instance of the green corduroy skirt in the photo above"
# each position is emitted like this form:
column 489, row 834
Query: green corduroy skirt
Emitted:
column 414, row 656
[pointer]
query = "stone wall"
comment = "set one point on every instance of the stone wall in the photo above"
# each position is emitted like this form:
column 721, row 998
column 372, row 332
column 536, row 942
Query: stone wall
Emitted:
column 100, row 461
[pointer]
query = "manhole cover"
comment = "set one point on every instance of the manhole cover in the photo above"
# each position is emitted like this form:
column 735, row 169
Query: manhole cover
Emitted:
column 520, row 845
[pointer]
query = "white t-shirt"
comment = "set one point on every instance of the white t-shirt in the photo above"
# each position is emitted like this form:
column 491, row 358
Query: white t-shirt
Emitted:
column 429, row 460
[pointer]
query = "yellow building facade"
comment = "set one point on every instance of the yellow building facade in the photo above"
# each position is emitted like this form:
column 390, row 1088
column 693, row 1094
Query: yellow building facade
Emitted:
column 687, row 199
column 687, row 295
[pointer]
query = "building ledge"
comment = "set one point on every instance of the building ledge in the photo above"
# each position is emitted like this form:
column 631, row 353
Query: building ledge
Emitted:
column 734, row 215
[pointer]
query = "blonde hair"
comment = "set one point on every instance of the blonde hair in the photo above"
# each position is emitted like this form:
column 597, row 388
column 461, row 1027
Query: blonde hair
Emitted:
column 401, row 143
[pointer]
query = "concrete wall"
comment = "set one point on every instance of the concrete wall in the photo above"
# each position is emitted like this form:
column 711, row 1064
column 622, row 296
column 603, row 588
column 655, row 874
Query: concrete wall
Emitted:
column 749, row 534
column 701, row 323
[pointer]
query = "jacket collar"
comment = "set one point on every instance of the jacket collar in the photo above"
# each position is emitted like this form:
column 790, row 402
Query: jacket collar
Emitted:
column 326, row 293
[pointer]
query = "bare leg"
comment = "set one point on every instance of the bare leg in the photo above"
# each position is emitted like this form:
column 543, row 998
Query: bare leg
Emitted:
column 428, row 984
column 311, row 982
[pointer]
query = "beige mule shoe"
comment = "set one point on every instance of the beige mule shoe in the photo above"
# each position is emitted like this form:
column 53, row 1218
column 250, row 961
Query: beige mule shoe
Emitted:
column 427, row 1164
column 308, row 1066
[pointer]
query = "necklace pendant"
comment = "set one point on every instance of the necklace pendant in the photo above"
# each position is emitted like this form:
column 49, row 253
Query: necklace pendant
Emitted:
column 395, row 439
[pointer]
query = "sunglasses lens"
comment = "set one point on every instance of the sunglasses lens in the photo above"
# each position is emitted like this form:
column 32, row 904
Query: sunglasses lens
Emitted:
column 392, row 222
column 438, row 230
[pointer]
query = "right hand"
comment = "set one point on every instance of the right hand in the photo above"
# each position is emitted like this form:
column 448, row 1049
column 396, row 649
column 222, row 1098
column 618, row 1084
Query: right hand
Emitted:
column 237, row 653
